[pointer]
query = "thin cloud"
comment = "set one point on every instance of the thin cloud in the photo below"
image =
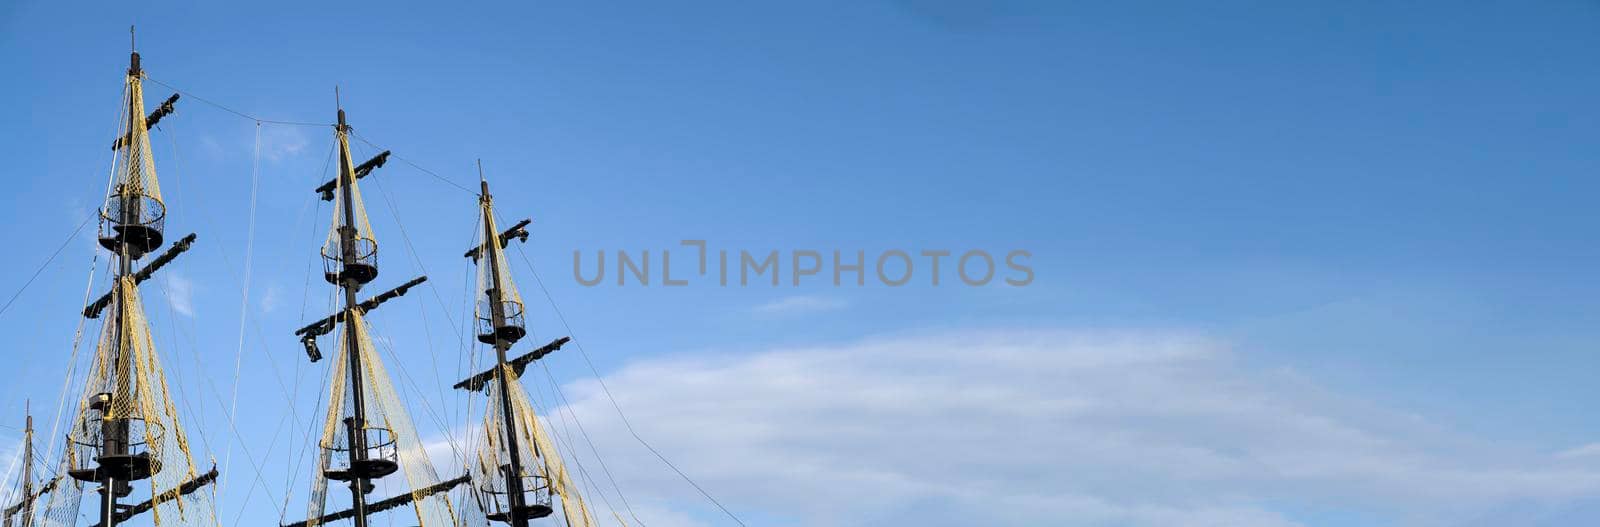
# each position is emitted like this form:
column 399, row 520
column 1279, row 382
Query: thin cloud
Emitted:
column 180, row 293
column 282, row 142
column 1030, row 427
column 1589, row 451
column 270, row 299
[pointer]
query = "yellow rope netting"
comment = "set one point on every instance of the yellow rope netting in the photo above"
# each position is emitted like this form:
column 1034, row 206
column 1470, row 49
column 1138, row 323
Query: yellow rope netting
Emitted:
column 140, row 400
column 332, row 436
column 386, row 420
column 135, row 192
column 366, row 244
column 136, row 153
column 535, row 448
column 493, row 260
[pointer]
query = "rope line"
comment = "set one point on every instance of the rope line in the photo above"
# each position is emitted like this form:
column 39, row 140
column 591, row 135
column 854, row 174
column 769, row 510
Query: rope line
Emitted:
column 433, row 353
column 565, row 411
column 52, row 258
column 72, row 360
column 259, row 480
column 416, row 166
column 244, row 299
column 259, row 120
column 172, row 320
column 233, row 111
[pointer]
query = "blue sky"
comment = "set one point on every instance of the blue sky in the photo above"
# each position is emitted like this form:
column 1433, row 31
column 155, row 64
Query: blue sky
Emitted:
column 1358, row 228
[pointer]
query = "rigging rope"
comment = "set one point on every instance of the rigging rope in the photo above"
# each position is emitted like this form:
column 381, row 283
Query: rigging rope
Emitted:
column 416, row 166
column 259, row 121
column 46, row 263
column 72, row 359
column 177, row 191
column 233, row 111
column 468, row 350
column 312, row 426
column 305, row 290
column 567, row 406
column 449, row 433
column 189, row 334
column 244, row 300
column 259, row 480
column 572, row 453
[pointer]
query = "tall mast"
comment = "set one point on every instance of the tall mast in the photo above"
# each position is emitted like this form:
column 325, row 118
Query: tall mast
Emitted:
column 27, row 472
column 497, row 309
column 114, row 437
column 24, row 505
column 531, row 476
column 378, row 435
column 350, row 282
column 128, row 429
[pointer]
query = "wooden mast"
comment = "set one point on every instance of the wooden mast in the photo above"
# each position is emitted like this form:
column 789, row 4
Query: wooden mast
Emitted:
column 27, row 471
column 516, row 500
column 347, row 250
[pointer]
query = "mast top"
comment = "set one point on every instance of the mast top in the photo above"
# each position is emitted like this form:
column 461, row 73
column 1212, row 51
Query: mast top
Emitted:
column 133, row 60
column 483, row 184
column 340, row 106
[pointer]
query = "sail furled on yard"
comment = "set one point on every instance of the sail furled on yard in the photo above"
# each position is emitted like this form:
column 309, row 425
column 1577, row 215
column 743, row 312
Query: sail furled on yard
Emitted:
column 349, row 212
column 389, row 433
column 134, row 208
column 543, row 470
column 491, row 289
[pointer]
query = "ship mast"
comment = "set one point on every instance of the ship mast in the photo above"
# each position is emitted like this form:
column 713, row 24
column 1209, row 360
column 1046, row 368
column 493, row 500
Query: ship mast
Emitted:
column 27, row 473
column 379, row 439
column 519, row 463
column 351, row 282
column 127, row 427
column 114, row 438
column 503, row 340
column 24, row 505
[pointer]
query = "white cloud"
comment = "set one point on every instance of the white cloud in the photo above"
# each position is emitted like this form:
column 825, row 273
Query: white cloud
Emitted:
column 282, row 142
column 211, row 146
column 794, row 305
column 180, row 293
column 658, row 515
column 1589, row 451
column 1041, row 428
column 269, row 299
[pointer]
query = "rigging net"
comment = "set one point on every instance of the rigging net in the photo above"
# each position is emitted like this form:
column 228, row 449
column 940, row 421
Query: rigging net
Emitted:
column 389, row 434
column 534, row 440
